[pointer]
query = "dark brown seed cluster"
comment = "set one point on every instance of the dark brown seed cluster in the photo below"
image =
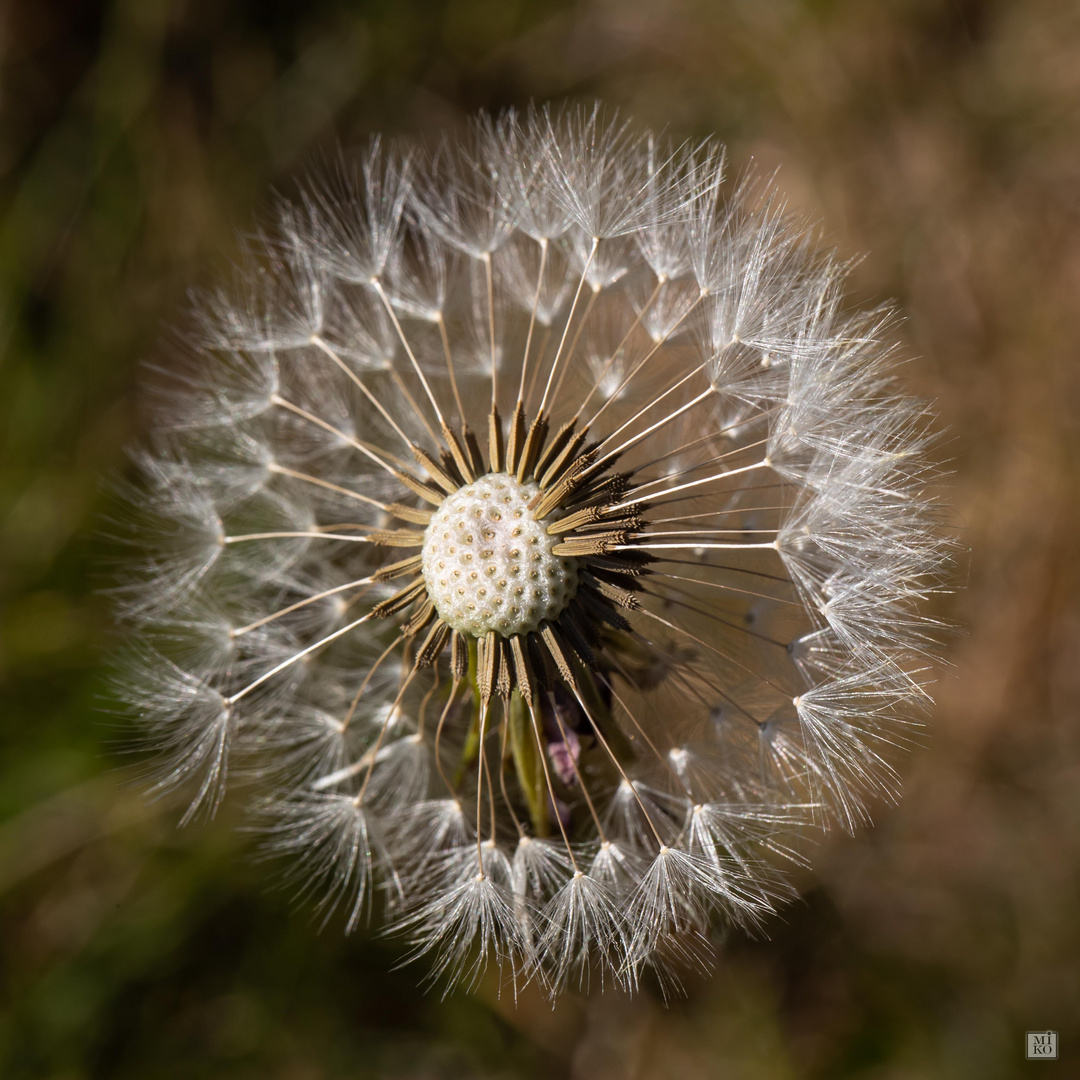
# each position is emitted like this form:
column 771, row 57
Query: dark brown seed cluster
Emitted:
column 579, row 502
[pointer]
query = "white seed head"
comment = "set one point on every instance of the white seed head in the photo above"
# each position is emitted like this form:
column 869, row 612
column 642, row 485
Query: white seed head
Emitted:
column 564, row 751
column 488, row 562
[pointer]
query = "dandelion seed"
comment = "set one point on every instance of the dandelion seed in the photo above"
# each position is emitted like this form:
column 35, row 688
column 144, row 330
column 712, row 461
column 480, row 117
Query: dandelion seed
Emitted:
column 544, row 541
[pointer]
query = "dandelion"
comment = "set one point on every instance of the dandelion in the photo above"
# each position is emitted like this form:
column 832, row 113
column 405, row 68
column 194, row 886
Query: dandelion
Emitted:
column 540, row 539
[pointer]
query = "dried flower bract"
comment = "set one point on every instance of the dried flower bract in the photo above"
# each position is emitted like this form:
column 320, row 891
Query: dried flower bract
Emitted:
column 537, row 533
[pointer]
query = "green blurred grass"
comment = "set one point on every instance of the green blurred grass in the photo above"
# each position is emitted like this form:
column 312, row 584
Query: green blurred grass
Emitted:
column 942, row 137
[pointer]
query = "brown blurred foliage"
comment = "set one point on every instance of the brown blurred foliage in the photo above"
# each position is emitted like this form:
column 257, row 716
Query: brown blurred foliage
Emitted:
column 940, row 136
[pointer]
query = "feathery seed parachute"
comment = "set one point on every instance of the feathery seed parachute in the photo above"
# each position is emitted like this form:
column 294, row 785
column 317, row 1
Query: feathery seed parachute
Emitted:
column 539, row 543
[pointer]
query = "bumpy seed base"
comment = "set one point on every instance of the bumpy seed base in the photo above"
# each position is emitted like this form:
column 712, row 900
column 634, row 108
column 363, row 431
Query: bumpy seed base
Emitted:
column 488, row 562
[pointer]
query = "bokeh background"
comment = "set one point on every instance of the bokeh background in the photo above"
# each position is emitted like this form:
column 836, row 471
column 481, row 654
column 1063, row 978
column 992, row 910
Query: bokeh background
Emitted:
column 940, row 136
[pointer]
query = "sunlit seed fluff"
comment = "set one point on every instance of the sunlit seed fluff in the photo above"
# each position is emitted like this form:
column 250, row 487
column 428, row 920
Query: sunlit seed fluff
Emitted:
column 543, row 542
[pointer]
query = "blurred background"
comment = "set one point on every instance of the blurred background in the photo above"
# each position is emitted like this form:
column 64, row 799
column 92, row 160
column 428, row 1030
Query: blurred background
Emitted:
column 942, row 137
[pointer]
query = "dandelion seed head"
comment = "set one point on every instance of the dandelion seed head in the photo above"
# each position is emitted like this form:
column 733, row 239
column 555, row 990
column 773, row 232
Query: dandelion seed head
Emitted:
column 536, row 533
